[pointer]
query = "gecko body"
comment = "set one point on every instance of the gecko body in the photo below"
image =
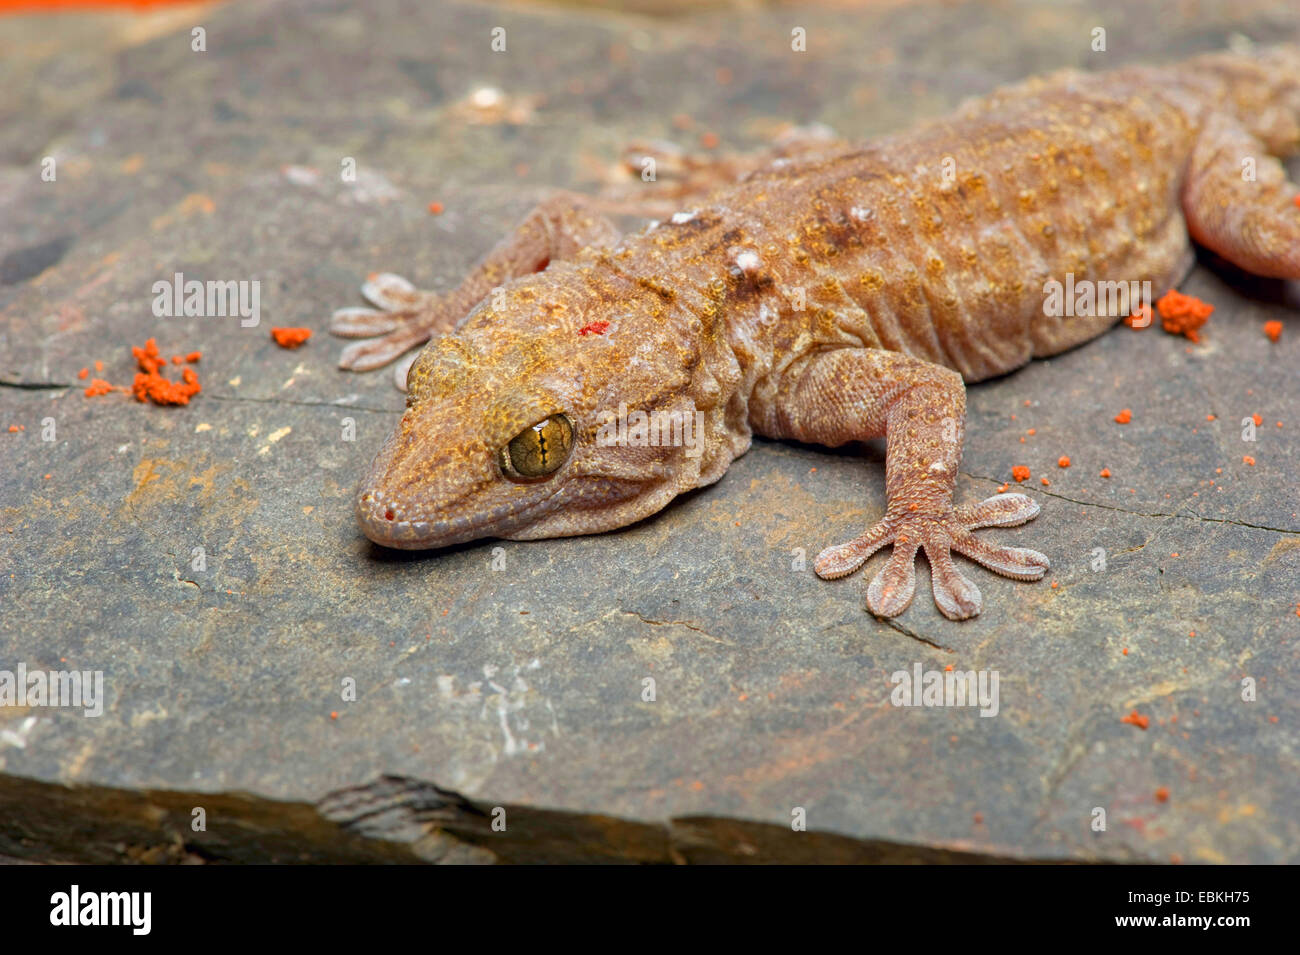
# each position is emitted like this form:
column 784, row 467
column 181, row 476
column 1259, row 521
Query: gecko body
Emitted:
column 834, row 293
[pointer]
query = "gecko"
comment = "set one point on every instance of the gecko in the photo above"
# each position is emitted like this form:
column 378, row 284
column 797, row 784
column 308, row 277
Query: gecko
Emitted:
column 825, row 292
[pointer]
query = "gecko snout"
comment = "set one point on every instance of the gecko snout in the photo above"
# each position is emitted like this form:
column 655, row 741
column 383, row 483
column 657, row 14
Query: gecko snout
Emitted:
column 387, row 522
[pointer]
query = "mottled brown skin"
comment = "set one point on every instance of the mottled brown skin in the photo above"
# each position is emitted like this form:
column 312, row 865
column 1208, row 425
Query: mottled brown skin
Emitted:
column 836, row 293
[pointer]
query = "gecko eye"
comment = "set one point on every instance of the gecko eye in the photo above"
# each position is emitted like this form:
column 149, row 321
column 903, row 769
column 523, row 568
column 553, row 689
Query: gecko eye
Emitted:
column 538, row 451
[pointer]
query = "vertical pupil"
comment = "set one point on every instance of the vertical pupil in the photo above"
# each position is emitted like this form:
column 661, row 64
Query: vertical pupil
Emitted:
column 541, row 439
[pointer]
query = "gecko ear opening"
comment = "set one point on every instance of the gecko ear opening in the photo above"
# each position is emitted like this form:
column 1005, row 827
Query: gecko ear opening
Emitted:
column 538, row 451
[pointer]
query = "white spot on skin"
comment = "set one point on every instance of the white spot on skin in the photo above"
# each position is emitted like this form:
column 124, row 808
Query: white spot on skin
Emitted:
column 938, row 466
column 747, row 262
column 859, row 213
column 680, row 218
column 486, row 97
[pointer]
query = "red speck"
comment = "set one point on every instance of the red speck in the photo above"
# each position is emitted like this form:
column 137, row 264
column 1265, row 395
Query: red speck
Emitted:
column 1063, row 462
column 709, row 140
column 1020, row 473
column 334, row 714
column 84, row 373
column 149, row 384
column 290, row 337
column 1137, row 719
column 1105, row 472
column 1124, row 417
column 1273, row 330
column 435, row 208
column 389, row 515
column 1162, row 794
column 1247, row 459
column 1183, row 314
column 594, row 328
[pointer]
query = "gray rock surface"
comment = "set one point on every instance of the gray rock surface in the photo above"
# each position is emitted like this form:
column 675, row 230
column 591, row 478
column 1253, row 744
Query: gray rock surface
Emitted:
column 520, row 688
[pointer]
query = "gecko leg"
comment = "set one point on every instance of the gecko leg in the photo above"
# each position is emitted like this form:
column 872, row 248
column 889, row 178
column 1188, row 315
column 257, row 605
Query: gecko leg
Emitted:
column 557, row 229
column 1252, row 221
column 682, row 176
column 920, row 409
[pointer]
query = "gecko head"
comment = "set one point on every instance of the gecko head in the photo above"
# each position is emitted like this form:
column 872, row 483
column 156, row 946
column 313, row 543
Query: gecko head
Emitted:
column 516, row 435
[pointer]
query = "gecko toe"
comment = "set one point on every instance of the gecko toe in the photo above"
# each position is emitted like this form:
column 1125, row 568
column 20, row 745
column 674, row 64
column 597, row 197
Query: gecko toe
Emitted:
column 892, row 589
column 844, row 559
column 955, row 595
column 1001, row 510
column 402, row 370
column 362, row 322
column 1020, row 563
column 377, row 352
column 390, row 292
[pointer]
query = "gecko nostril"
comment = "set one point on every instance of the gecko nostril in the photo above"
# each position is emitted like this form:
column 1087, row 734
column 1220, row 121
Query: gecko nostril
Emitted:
column 389, row 515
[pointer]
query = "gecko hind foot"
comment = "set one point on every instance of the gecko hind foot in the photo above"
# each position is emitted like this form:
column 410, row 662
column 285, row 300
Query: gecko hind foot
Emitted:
column 957, row 598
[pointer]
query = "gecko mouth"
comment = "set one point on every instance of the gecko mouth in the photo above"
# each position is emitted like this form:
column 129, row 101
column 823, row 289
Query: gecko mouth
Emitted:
column 387, row 522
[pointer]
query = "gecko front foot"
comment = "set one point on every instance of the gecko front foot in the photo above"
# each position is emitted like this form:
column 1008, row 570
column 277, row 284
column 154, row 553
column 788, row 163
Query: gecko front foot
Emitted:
column 957, row 598
column 406, row 318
